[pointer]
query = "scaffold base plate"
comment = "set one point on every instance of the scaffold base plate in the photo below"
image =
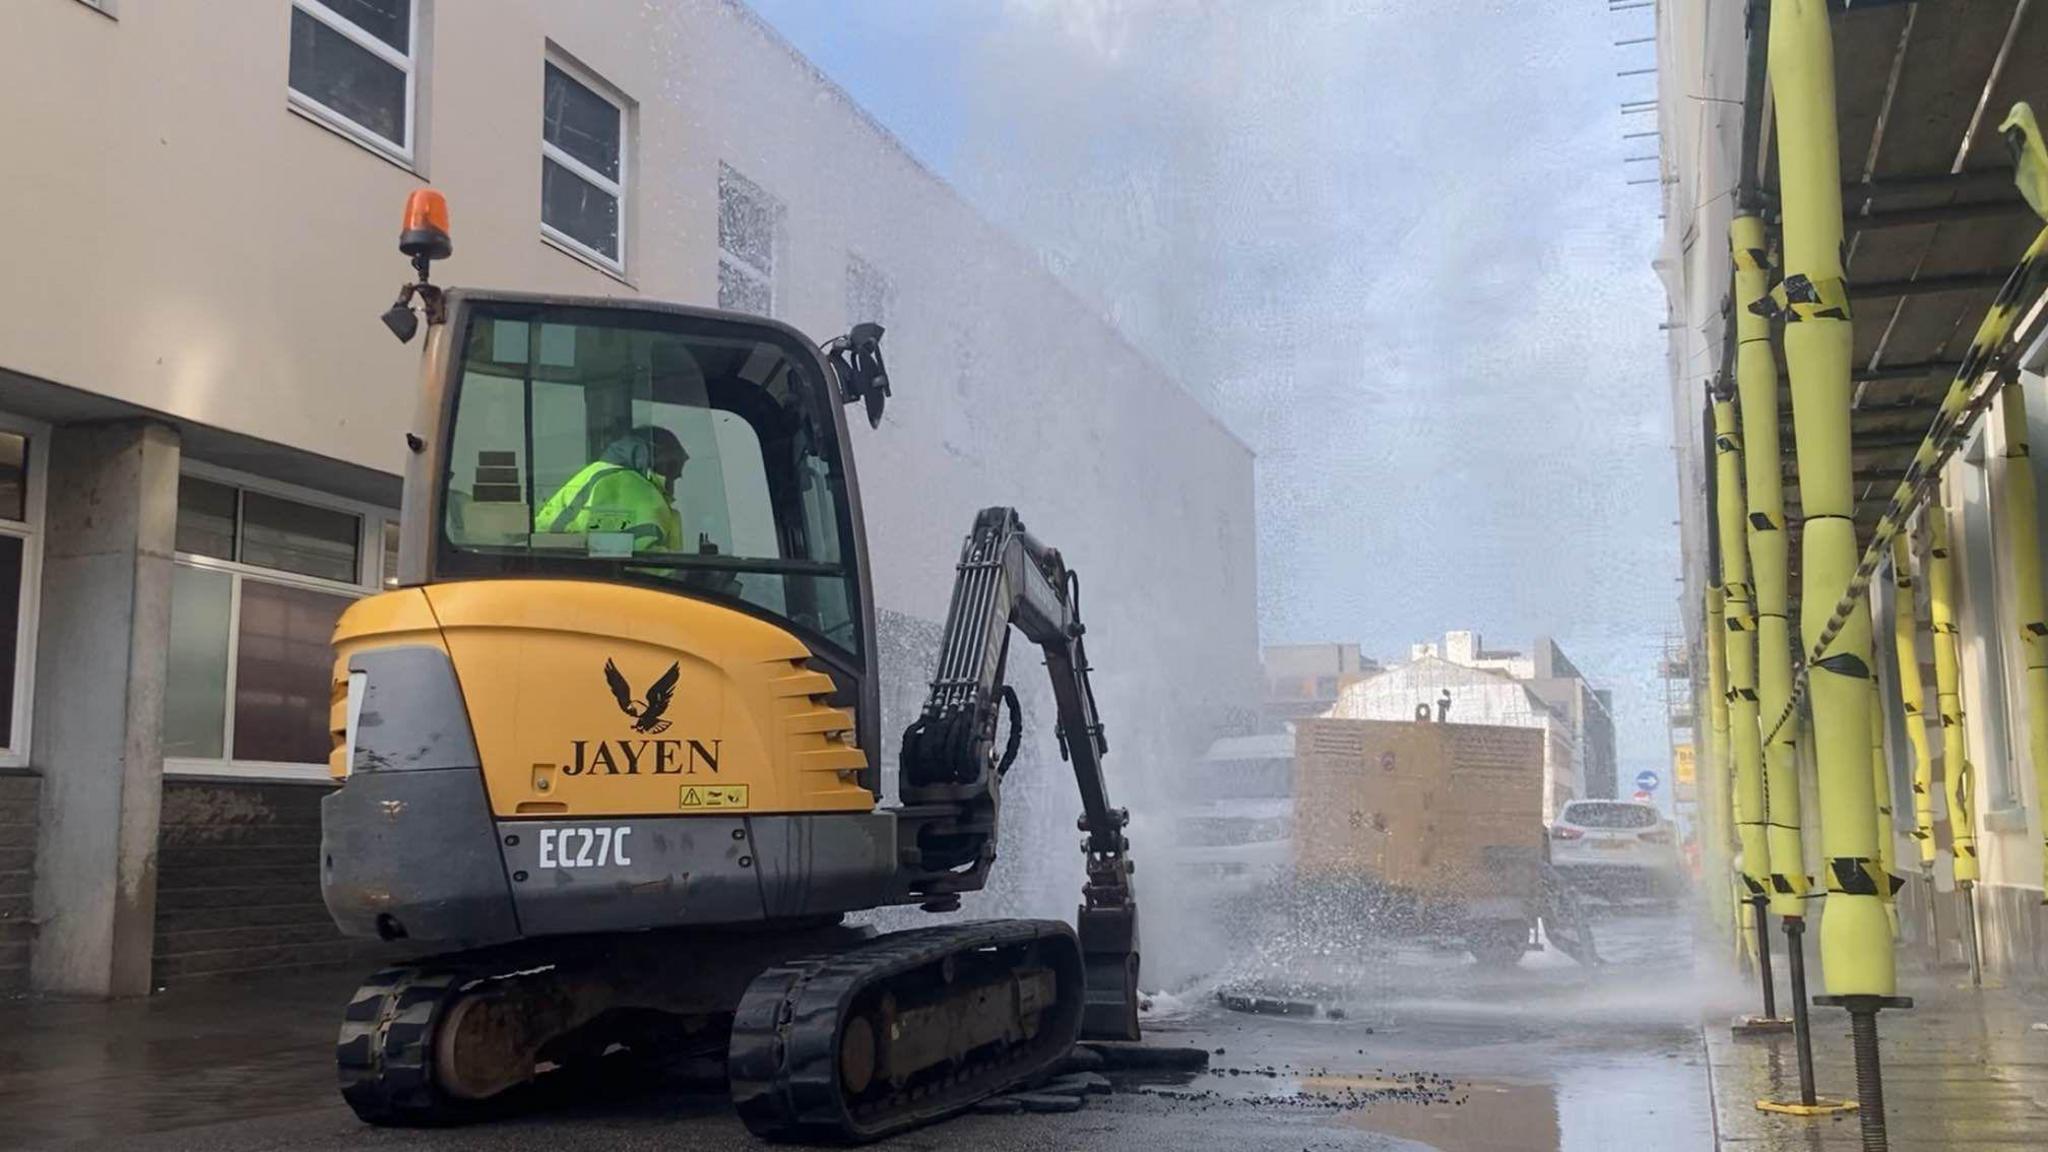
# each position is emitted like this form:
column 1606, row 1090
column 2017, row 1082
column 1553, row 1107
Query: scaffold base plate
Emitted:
column 1821, row 1106
column 1759, row 1026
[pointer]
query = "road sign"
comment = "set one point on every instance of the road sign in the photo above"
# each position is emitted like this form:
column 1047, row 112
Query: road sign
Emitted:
column 1646, row 781
column 1642, row 797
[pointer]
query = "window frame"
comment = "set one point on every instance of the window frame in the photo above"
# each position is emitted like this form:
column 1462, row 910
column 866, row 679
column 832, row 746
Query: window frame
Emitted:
column 16, row 754
column 775, row 240
column 611, row 95
column 369, row 582
column 408, row 62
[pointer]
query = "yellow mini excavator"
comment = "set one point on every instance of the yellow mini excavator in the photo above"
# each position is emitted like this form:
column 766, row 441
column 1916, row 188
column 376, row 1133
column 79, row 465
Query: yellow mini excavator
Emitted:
column 610, row 746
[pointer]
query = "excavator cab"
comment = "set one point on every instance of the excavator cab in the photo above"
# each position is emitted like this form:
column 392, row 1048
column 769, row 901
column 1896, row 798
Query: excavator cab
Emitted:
column 611, row 742
column 677, row 450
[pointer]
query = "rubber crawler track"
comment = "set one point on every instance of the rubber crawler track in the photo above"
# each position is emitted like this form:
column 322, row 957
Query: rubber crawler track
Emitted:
column 384, row 1056
column 784, row 1055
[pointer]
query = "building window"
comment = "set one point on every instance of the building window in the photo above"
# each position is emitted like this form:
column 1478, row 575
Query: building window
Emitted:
column 390, row 568
column 260, row 581
column 583, row 167
column 353, row 64
column 749, row 232
column 226, row 522
column 867, row 293
column 20, row 578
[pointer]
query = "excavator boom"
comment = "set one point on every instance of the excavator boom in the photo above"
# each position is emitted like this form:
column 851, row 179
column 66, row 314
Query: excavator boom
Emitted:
column 1008, row 578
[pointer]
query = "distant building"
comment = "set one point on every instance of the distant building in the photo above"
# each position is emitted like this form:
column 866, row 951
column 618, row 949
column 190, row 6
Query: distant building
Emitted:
column 1465, row 648
column 1590, row 711
column 1475, row 695
column 1541, row 689
column 1557, row 682
column 1305, row 679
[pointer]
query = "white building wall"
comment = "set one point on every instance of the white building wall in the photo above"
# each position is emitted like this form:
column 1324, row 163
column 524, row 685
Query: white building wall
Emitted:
column 190, row 245
column 1700, row 62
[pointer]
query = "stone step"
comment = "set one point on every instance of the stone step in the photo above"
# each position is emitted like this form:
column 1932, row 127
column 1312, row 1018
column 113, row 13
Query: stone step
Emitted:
column 16, row 881
column 247, row 936
column 257, row 855
column 230, row 961
column 250, row 835
column 228, row 875
column 176, row 920
column 181, row 899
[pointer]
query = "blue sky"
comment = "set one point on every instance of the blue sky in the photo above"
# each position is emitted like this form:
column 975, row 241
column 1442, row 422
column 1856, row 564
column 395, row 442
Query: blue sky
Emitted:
column 1388, row 241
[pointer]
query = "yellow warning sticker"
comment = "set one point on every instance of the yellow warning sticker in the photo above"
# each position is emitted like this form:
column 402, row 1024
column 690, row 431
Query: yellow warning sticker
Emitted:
column 714, row 796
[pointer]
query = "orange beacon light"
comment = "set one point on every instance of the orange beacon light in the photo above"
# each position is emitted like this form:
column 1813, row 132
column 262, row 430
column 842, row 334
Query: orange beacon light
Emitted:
column 426, row 234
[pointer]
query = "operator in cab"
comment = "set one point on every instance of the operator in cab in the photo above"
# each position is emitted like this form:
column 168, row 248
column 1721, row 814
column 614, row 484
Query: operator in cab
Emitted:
column 629, row 489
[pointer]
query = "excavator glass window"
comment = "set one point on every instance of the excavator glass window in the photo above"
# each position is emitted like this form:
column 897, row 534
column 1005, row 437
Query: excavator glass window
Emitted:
column 688, row 453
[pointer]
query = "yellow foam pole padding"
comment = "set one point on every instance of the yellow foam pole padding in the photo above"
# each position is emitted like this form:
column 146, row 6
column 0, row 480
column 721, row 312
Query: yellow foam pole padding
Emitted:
column 1958, row 775
column 1756, row 382
column 2022, row 527
column 2023, row 547
column 1715, row 863
column 1855, row 933
column 1745, row 921
column 1744, row 739
column 1913, row 694
column 1881, row 785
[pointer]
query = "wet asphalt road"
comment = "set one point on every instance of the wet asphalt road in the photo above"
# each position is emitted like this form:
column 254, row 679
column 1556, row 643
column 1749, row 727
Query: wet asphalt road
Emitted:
column 1429, row 1052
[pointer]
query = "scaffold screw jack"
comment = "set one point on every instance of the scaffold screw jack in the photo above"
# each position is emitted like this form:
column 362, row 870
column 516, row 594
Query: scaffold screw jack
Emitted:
column 1863, row 1012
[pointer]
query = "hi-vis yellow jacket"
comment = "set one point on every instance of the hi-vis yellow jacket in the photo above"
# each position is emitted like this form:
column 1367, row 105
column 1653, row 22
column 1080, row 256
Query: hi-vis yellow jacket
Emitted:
column 608, row 497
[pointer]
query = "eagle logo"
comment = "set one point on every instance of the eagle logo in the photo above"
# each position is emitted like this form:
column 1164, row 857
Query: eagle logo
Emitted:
column 646, row 713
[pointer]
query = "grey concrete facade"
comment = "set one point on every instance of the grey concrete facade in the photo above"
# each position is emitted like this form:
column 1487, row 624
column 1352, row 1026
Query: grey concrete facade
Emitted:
column 105, row 626
column 1561, row 685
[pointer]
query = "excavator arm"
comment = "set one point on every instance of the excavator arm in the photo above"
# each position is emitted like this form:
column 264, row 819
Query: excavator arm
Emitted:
column 951, row 758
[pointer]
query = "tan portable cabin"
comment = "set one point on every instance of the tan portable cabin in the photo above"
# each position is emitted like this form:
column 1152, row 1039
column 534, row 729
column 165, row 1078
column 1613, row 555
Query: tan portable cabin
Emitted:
column 1437, row 810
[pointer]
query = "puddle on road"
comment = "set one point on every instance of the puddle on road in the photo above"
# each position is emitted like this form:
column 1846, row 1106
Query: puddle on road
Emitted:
column 1447, row 1113
column 1485, row 1116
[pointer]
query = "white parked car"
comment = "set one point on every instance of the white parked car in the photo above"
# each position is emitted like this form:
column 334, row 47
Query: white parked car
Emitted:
column 1616, row 848
column 1233, row 823
column 1234, row 848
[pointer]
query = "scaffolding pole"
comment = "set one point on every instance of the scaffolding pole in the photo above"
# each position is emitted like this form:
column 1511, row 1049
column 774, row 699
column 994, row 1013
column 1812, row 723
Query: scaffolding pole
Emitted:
column 1855, row 936
column 2022, row 528
column 1913, row 703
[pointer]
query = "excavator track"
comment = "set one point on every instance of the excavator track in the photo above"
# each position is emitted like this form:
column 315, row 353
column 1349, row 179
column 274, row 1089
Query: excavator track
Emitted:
column 450, row 1040
column 910, row 1028
column 385, row 1054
